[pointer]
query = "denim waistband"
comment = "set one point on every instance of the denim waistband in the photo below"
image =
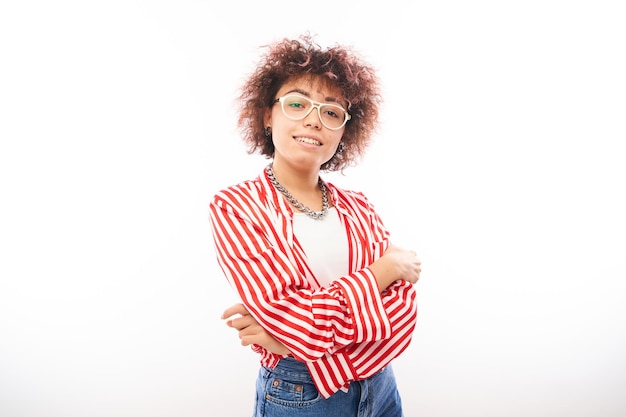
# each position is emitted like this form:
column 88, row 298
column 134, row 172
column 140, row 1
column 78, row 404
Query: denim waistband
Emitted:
column 293, row 369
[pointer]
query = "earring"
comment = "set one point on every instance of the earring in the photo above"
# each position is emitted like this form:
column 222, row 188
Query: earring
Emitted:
column 339, row 151
column 268, row 131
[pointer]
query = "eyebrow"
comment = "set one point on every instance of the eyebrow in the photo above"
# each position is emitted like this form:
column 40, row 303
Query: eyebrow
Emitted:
column 307, row 95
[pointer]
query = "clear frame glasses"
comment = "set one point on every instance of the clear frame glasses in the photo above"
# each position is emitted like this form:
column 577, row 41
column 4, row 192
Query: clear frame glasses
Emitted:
column 297, row 107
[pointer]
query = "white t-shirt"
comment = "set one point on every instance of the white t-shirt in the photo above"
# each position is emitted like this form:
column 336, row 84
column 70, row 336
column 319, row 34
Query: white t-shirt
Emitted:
column 325, row 244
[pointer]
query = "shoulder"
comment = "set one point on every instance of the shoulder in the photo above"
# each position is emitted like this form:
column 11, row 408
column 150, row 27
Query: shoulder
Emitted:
column 350, row 198
column 242, row 188
column 249, row 192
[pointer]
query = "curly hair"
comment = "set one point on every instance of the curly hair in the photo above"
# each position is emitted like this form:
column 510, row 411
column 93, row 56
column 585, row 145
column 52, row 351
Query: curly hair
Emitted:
column 340, row 66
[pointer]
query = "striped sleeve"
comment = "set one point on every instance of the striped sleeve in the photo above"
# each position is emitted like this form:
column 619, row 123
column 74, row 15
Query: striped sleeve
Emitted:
column 362, row 360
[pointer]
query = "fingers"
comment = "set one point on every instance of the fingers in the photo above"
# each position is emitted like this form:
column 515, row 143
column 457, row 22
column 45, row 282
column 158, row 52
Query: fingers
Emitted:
column 251, row 338
column 246, row 341
column 235, row 309
column 241, row 323
column 417, row 266
column 414, row 265
column 249, row 331
column 415, row 272
column 419, row 271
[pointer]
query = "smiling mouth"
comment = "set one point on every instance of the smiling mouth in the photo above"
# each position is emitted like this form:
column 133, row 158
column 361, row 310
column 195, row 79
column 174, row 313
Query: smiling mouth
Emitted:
column 308, row 140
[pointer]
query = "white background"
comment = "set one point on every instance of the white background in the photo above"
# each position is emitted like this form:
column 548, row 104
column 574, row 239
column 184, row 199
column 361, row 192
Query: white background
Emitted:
column 500, row 160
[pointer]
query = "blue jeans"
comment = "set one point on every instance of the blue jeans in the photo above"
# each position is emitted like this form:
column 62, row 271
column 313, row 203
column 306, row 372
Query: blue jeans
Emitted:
column 288, row 391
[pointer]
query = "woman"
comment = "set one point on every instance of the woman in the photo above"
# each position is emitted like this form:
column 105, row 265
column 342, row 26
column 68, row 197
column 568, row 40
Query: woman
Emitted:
column 326, row 300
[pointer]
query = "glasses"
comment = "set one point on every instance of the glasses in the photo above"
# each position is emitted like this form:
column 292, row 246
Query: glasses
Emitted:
column 297, row 107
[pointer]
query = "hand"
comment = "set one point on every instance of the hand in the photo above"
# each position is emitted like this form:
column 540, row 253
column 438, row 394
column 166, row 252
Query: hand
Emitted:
column 396, row 263
column 408, row 265
column 250, row 331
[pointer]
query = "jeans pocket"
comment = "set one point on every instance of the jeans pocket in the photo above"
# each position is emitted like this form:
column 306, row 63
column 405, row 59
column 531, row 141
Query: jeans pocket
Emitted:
column 290, row 392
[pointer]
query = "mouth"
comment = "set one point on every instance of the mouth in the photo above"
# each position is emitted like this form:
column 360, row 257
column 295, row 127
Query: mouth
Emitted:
column 310, row 141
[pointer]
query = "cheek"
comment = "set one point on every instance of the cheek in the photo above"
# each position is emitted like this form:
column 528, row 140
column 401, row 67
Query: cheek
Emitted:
column 336, row 138
column 331, row 150
column 279, row 131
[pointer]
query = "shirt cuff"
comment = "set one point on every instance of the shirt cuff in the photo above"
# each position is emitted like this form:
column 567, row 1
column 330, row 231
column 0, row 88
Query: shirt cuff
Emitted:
column 365, row 306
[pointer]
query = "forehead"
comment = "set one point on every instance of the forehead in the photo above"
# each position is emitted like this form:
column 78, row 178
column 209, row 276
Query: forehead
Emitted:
column 315, row 85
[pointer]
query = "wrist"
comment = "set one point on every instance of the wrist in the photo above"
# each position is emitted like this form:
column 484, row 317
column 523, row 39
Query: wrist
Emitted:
column 384, row 273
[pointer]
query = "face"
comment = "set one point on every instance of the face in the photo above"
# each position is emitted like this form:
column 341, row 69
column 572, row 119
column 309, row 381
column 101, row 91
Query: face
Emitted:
column 305, row 143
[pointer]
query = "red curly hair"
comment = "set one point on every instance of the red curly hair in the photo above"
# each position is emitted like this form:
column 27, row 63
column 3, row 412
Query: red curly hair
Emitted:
column 340, row 66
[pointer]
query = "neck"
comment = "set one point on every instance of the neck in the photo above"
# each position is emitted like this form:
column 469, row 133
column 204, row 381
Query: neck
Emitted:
column 296, row 180
column 312, row 202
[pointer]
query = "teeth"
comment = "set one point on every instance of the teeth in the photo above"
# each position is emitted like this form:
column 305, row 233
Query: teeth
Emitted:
column 308, row 140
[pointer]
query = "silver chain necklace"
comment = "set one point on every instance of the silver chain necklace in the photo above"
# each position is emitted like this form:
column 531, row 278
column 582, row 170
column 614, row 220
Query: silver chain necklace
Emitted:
column 314, row 214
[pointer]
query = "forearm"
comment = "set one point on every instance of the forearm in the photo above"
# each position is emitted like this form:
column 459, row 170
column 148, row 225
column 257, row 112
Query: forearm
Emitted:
column 385, row 272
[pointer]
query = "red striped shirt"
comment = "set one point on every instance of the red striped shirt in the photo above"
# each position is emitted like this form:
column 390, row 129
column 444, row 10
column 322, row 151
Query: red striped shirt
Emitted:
column 345, row 331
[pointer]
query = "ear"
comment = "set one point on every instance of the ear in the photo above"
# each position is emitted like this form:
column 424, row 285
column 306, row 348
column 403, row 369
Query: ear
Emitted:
column 267, row 118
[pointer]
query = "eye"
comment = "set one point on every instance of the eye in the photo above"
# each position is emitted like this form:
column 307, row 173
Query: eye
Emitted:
column 297, row 103
column 331, row 112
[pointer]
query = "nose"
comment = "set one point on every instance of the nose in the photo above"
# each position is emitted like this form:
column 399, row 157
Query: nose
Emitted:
column 313, row 118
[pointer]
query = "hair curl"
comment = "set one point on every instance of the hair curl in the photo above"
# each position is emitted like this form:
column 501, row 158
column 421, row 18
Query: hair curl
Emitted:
column 290, row 59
